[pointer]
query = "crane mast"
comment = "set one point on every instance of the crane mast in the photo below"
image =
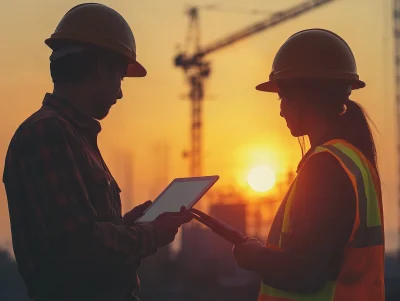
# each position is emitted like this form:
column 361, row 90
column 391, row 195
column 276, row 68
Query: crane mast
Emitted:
column 197, row 69
column 396, row 15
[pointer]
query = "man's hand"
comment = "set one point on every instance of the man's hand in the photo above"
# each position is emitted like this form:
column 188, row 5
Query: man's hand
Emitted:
column 166, row 226
column 131, row 216
column 246, row 254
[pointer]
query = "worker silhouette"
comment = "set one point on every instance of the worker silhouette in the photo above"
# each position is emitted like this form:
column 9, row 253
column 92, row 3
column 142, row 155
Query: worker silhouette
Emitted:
column 327, row 240
column 69, row 237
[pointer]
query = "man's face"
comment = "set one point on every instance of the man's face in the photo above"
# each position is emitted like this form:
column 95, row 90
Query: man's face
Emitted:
column 107, row 88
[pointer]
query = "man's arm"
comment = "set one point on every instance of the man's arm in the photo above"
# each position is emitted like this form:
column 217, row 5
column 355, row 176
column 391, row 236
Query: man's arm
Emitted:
column 46, row 164
column 322, row 218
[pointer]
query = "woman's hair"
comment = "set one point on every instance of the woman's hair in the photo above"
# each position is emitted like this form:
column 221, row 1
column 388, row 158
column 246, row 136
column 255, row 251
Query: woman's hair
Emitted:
column 331, row 97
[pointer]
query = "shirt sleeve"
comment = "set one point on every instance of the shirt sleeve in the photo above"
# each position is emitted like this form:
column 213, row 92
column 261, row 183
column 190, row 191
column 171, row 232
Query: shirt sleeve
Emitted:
column 60, row 203
column 322, row 218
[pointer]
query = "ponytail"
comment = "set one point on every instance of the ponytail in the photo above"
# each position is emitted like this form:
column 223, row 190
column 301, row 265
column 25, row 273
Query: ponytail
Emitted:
column 354, row 128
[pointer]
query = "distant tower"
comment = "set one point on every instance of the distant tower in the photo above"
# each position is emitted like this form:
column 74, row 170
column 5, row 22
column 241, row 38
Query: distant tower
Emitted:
column 258, row 220
column 128, row 171
column 161, row 159
column 396, row 15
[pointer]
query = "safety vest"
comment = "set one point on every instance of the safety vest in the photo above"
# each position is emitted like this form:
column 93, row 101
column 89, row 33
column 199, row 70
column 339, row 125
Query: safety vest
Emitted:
column 361, row 277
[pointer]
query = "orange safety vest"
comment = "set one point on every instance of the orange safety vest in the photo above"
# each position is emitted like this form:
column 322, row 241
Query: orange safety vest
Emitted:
column 361, row 277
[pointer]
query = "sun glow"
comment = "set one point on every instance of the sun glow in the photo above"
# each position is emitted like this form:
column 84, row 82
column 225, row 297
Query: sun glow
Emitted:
column 261, row 178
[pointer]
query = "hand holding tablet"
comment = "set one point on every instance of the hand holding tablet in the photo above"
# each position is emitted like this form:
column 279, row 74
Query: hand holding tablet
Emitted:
column 186, row 192
column 180, row 192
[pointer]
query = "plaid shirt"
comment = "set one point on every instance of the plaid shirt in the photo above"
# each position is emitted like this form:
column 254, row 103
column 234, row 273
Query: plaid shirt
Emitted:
column 65, row 211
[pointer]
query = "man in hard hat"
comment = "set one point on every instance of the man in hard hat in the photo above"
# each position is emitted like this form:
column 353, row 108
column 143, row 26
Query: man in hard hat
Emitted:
column 69, row 238
column 326, row 242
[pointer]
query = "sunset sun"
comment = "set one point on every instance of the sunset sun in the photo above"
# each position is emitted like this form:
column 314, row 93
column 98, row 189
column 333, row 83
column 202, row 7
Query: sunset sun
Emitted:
column 261, row 178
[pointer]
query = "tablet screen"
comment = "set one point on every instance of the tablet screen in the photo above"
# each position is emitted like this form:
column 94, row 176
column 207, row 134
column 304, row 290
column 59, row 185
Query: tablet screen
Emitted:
column 181, row 192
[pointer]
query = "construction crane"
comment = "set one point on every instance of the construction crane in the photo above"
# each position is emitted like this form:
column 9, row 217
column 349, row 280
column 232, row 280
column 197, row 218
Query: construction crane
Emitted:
column 396, row 15
column 197, row 68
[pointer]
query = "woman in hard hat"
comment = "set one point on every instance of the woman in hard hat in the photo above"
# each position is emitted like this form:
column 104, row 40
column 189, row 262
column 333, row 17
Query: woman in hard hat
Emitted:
column 327, row 239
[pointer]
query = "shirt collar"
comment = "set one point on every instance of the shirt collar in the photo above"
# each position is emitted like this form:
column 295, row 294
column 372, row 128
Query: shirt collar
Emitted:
column 66, row 109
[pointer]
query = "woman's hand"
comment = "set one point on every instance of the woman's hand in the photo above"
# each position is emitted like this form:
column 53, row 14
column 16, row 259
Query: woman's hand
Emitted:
column 246, row 254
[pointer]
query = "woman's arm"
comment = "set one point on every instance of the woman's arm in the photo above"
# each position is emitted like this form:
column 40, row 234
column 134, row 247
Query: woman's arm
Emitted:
column 322, row 218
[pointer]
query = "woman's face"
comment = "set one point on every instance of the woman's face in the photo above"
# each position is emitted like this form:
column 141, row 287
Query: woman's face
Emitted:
column 307, row 104
column 292, row 111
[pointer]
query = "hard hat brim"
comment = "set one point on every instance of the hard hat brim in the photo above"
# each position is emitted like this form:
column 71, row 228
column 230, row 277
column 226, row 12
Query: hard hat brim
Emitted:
column 271, row 86
column 135, row 69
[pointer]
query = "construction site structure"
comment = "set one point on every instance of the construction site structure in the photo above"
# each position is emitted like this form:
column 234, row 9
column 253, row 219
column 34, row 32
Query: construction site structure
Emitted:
column 196, row 68
column 396, row 19
column 161, row 167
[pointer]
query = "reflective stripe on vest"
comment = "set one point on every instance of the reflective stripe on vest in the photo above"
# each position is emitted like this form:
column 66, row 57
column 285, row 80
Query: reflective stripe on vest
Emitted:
column 367, row 230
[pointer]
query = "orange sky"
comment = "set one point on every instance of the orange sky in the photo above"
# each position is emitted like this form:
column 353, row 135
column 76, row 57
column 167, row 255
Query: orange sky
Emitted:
column 238, row 120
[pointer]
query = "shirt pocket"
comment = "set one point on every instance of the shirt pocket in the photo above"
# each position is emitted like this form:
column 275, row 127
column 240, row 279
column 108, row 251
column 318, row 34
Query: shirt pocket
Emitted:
column 104, row 196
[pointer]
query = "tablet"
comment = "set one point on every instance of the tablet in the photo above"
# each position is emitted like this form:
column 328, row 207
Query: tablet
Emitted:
column 180, row 192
